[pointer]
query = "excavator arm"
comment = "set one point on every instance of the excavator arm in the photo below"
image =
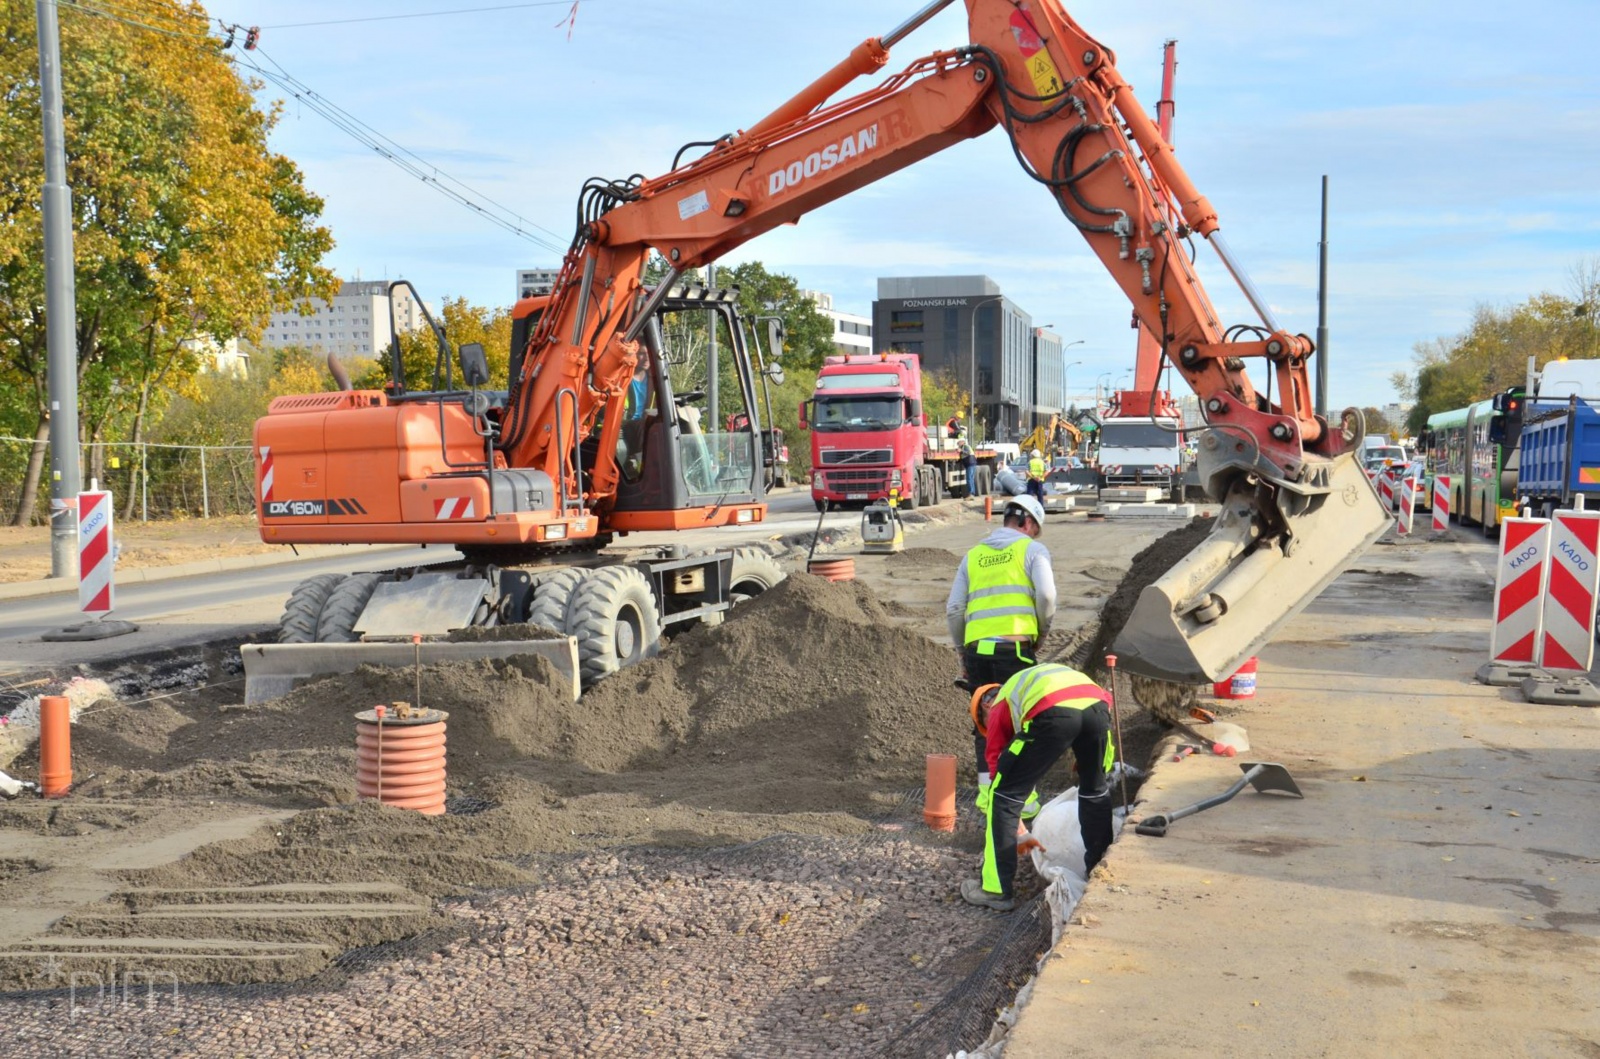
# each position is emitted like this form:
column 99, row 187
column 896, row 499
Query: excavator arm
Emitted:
column 1296, row 508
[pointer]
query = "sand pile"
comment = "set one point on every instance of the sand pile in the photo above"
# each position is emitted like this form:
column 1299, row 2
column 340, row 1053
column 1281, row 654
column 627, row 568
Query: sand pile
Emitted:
column 808, row 711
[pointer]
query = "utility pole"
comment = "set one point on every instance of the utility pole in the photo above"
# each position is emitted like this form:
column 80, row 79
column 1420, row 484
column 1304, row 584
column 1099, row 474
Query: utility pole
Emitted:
column 60, row 302
column 713, row 369
column 1322, row 308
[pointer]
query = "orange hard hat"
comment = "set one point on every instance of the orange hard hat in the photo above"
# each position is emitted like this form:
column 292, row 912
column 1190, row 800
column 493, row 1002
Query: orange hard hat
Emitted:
column 979, row 717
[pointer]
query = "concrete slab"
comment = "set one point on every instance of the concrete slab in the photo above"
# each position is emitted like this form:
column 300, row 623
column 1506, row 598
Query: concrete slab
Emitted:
column 273, row 670
column 1146, row 510
column 1148, row 494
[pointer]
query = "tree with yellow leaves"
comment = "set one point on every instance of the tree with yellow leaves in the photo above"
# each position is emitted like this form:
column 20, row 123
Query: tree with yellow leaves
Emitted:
column 185, row 224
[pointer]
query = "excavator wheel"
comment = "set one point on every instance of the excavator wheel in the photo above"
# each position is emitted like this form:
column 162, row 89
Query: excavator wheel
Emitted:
column 300, row 613
column 754, row 571
column 614, row 617
column 552, row 596
column 337, row 622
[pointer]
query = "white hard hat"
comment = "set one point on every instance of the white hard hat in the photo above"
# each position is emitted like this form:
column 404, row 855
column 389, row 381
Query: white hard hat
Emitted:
column 1028, row 506
column 1037, row 454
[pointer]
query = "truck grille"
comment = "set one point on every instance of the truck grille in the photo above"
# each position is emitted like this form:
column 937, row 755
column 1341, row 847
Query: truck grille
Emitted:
column 866, row 480
column 1129, row 478
column 862, row 456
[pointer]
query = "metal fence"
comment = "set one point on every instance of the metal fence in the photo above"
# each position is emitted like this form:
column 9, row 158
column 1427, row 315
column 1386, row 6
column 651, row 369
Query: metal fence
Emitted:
column 165, row 481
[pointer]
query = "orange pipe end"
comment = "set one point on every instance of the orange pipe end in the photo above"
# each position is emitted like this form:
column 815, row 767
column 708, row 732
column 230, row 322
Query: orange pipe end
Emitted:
column 55, row 746
column 988, row 509
column 833, row 569
column 939, row 793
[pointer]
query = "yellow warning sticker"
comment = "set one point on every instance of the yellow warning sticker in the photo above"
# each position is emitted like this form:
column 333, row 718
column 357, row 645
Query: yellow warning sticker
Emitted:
column 1589, row 475
column 1046, row 80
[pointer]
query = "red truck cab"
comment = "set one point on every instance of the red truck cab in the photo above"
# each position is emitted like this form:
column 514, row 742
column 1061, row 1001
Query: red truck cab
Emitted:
column 870, row 437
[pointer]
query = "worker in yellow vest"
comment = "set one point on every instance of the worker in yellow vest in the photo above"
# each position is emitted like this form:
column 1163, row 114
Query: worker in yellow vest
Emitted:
column 1001, row 603
column 1037, row 469
column 1032, row 719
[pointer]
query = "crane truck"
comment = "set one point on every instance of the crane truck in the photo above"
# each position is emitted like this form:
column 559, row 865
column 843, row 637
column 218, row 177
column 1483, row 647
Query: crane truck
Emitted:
column 569, row 452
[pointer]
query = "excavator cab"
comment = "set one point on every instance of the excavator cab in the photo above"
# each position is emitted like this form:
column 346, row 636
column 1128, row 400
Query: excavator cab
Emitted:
column 675, row 450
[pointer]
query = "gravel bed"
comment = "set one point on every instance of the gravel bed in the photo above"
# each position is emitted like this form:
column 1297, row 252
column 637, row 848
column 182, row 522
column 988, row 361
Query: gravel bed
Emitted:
column 791, row 946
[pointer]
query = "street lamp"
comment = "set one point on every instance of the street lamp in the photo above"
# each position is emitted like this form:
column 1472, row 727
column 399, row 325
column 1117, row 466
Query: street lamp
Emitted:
column 1066, row 394
column 972, row 376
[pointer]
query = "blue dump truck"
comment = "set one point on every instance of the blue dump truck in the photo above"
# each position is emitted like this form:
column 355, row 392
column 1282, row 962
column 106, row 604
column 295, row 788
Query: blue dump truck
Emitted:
column 1559, row 456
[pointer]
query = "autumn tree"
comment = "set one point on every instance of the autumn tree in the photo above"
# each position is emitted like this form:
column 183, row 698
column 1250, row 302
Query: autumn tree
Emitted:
column 463, row 322
column 1492, row 354
column 185, row 224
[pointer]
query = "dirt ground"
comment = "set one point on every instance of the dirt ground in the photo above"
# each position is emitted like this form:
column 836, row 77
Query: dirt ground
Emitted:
column 25, row 550
column 735, row 819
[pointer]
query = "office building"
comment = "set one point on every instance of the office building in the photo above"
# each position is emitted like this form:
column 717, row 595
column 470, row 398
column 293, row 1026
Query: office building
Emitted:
column 852, row 334
column 354, row 325
column 966, row 327
column 1049, row 376
column 532, row 282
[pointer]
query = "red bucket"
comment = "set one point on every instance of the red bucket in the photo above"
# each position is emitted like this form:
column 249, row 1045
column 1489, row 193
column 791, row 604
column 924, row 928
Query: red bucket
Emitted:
column 1242, row 685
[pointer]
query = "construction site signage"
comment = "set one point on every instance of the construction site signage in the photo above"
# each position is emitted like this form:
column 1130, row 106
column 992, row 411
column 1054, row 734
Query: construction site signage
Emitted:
column 96, row 589
column 1519, row 587
column 1441, row 503
column 1569, row 601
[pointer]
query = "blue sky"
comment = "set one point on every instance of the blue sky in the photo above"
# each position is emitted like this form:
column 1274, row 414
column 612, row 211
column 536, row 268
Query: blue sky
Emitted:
column 1462, row 142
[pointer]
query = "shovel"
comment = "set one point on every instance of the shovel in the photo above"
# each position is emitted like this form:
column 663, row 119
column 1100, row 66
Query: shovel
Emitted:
column 1263, row 775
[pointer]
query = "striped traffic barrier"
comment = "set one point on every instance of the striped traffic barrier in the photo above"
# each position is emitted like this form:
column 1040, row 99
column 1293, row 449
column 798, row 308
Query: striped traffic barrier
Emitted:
column 1386, row 491
column 1441, row 503
column 1406, row 508
column 96, row 589
column 1519, row 591
column 1572, row 587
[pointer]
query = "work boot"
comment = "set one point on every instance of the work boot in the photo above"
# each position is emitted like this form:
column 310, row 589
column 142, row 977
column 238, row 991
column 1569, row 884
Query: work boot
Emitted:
column 973, row 893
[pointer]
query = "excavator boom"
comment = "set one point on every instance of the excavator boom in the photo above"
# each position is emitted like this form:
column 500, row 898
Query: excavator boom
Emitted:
column 1296, row 506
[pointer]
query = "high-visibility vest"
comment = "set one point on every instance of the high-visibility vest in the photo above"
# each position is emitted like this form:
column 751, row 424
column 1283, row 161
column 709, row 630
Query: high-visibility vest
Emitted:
column 1036, row 689
column 999, row 594
column 1036, row 468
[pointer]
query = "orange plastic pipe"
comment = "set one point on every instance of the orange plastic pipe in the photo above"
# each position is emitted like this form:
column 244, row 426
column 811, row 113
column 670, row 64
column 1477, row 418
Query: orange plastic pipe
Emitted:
column 402, row 765
column 939, row 793
column 988, row 509
column 55, row 746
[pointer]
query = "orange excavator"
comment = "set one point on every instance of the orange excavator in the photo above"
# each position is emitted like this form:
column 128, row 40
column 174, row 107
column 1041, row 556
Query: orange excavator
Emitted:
column 590, row 439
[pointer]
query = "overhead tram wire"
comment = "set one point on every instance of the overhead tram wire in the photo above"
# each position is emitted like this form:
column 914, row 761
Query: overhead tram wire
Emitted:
column 408, row 161
column 423, row 14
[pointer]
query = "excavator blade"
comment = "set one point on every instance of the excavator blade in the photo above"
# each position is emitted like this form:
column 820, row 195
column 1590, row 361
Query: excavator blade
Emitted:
column 1266, row 559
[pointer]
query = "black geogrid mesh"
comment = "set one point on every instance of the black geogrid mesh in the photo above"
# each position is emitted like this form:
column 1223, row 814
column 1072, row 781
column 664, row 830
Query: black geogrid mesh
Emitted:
column 961, row 998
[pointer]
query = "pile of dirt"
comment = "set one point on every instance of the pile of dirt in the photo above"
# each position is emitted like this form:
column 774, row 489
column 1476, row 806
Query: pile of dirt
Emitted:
column 921, row 558
column 809, row 711
column 1147, row 567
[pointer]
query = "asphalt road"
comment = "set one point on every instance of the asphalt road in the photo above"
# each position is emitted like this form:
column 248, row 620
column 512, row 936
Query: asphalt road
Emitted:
column 186, row 610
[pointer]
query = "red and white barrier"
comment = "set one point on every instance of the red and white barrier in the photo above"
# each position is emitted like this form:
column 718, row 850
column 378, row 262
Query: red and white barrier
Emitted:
column 1386, row 491
column 96, row 588
column 1519, row 591
column 1406, row 508
column 1570, row 595
column 1441, row 503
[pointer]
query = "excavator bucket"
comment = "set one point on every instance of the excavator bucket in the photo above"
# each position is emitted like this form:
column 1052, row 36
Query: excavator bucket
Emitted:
column 1273, row 550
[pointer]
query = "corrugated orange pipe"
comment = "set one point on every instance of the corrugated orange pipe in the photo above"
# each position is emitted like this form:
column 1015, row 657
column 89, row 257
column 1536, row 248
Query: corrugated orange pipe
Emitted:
column 833, row 569
column 400, row 758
